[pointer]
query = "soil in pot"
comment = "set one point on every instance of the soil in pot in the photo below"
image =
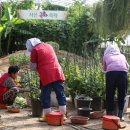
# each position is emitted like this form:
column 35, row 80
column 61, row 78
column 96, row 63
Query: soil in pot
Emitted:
column 84, row 111
column 36, row 108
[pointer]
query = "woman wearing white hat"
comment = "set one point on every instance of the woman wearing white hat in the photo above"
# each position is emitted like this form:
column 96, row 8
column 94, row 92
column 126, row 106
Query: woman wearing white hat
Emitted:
column 44, row 60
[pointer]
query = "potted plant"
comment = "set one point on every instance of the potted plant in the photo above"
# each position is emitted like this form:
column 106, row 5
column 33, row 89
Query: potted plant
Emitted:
column 31, row 81
column 73, row 79
column 95, row 87
column 88, row 81
column 36, row 103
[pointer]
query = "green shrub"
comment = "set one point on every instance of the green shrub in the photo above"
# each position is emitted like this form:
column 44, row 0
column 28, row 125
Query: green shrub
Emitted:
column 55, row 45
column 30, row 80
column 89, row 81
column 19, row 59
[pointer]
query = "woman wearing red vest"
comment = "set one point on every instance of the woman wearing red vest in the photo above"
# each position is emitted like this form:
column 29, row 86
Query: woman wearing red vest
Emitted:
column 44, row 60
column 8, row 87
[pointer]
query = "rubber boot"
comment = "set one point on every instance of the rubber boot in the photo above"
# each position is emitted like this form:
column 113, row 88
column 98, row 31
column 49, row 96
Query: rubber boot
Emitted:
column 45, row 112
column 63, row 110
column 120, row 115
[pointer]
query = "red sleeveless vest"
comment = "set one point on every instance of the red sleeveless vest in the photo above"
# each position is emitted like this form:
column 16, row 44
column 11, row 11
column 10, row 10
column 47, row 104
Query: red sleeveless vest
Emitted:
column 48, row 66
column 3, row 89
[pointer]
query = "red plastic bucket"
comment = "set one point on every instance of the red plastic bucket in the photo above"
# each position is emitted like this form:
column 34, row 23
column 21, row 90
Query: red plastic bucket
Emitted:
column 55, row 118
column 111, row 122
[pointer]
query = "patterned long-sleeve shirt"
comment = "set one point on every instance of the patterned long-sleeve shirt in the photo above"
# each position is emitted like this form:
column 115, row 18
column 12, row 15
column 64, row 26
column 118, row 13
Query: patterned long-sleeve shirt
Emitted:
column 11, row 84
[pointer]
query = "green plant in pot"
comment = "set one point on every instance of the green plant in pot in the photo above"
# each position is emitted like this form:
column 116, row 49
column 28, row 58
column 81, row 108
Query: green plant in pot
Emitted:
column 31, row 81
column 95, row 86
column 73, row 80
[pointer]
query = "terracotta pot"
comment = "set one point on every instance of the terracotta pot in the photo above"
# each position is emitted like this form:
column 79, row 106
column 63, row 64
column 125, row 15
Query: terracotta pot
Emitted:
column 79, row 120
column 2, row 106
column 13, row 109
column 96, row 114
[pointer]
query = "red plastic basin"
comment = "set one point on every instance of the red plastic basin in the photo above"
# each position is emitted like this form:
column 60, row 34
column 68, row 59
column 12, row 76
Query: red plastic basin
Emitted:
column 55, row 118
column 111, row 122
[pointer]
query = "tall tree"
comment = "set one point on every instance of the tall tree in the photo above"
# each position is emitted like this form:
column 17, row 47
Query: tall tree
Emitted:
column 112, row 16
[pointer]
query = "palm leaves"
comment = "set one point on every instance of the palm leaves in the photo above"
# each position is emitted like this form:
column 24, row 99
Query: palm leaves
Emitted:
column 8, row 22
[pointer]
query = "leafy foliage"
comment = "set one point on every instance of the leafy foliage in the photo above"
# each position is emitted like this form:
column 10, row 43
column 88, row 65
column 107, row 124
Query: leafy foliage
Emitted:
column 19, row 60
column 55, row 45
column 70, row 34
column 112, row 16
column 81, row 22
column 49, row 6
column 89, row 81
column 20, row 101
column 29, row 79
column 8, row 22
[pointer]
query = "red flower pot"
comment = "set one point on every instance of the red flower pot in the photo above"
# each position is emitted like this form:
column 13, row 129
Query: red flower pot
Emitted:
column 79, row 120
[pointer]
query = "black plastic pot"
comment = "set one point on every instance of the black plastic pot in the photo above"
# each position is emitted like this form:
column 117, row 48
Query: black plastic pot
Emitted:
column 84, row 111
column 36, row 108
column 96, row 104
column 84, row 102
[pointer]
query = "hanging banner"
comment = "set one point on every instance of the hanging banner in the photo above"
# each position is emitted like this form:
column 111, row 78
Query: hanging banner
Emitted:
column 42, row 14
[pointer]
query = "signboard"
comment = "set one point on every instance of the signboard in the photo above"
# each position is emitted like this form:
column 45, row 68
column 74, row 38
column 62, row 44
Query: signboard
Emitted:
column 42, row 14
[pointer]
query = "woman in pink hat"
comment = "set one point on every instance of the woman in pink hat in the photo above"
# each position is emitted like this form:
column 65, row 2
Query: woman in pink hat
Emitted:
column 116, row 68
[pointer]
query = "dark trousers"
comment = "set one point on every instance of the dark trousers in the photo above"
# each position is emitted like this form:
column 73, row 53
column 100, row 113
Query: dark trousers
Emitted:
column 116, row 80
column 9, row 96
column 46, row 92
